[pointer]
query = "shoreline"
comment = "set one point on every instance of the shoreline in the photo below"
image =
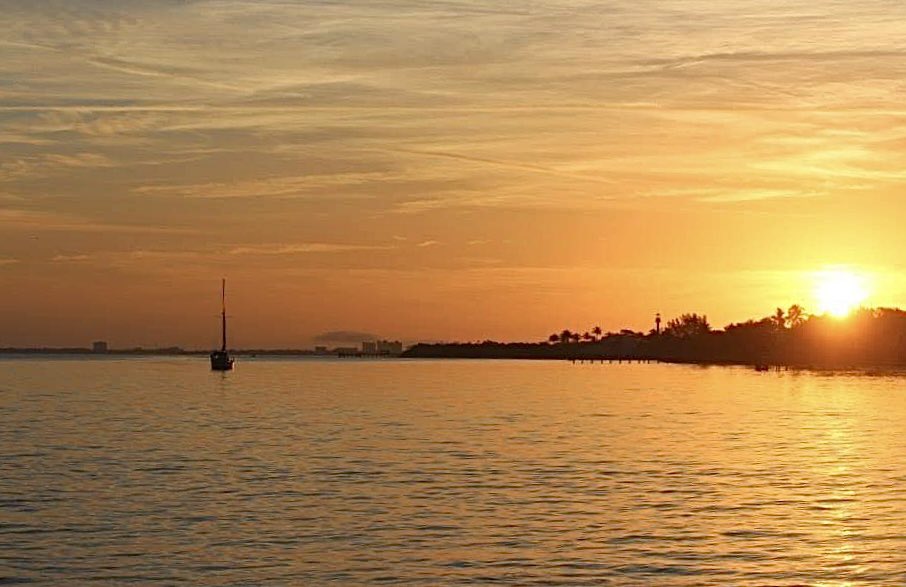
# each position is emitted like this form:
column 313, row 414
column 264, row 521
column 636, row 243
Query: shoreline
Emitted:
column 89, row 355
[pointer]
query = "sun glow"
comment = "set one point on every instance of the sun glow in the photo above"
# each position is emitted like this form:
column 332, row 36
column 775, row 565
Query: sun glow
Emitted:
column 839, row 292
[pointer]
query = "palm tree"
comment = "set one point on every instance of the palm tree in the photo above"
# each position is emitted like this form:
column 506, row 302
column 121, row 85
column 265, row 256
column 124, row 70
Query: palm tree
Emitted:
column 554, row 338
column 566, row 336
column 576, row 337
column 587, row 337
column 795, row 316
column 597, row 332
column 779, row 318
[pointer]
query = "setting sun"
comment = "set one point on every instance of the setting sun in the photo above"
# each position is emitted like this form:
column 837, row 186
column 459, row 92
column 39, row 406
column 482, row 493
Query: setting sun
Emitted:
column 839, row 292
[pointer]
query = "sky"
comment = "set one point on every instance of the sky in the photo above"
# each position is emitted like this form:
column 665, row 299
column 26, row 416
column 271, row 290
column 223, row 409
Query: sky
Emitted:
column 440, row 170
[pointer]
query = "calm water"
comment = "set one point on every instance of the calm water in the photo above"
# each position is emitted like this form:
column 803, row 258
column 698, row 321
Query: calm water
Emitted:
column 448, row 473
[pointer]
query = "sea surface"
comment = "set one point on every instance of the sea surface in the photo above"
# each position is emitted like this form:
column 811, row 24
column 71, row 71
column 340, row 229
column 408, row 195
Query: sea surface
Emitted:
column 155, row 471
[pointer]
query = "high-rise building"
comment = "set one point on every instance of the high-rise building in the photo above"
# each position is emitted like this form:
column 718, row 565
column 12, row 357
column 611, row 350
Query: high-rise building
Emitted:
column 387, row 347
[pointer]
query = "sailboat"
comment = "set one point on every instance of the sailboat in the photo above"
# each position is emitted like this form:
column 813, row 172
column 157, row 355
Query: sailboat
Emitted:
column 221, row 360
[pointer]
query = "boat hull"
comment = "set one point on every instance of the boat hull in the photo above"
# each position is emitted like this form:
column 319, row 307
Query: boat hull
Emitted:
column 221, row 361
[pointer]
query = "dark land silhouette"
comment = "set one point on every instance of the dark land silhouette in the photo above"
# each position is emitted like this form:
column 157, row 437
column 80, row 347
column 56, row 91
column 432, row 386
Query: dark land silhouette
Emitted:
column 792, row 338
column 177, row 351
column 866, row 338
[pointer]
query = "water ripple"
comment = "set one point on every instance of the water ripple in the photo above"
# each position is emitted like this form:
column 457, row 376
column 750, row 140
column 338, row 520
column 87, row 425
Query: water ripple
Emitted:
column 447, row 473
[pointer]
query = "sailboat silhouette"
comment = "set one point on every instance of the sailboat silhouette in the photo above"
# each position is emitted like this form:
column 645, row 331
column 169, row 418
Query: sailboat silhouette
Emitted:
column 221, row 360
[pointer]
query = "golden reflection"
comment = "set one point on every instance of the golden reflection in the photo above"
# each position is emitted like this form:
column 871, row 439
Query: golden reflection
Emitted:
column 839, row 497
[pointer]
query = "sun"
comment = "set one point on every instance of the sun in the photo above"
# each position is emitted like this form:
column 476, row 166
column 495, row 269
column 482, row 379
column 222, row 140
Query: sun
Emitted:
column 839, row 292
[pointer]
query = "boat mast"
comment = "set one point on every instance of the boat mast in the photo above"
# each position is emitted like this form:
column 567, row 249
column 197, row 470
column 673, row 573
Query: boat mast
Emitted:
column 223, row 313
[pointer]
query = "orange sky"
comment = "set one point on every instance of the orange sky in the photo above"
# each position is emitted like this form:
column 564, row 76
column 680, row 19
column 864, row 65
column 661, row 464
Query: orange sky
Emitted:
column 437, row 171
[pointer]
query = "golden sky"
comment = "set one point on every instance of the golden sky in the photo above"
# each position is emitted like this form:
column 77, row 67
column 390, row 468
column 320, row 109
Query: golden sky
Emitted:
column 457, row 169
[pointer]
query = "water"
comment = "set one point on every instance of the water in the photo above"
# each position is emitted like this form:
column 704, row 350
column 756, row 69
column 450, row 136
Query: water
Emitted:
column 447, row 473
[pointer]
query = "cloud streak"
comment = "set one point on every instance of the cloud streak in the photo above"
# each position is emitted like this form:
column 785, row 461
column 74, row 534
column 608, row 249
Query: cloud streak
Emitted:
column 303, row 248
column 36, row 221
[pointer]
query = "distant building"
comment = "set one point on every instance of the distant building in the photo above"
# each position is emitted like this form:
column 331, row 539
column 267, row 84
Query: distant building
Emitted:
column 346, row 351
column 387, row 347
column 384, row 348
column 99, row 346
column 321, row 350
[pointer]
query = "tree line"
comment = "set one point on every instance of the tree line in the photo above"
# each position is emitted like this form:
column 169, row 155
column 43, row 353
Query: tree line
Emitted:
column 791, row 337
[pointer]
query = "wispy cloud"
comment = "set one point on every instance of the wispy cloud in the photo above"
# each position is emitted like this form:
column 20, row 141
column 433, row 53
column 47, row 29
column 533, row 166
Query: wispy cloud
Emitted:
column 627, row 88
column 302, row 248
column 735, row 195
column 51, row 163
column 273, row 187
column 70, row 258
column 47, row 221
column 755, row 195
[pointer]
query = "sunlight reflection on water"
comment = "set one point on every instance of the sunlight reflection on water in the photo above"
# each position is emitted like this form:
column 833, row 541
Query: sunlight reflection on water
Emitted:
column 448, row 473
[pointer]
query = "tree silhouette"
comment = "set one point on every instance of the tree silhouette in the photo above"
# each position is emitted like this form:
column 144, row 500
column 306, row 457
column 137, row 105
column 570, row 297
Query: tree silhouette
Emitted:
column 795, row 316
column 597, row 332
column 871, row 338
column 587, row 337
column 554, row 338
column 688, row 325
column 779, row 319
